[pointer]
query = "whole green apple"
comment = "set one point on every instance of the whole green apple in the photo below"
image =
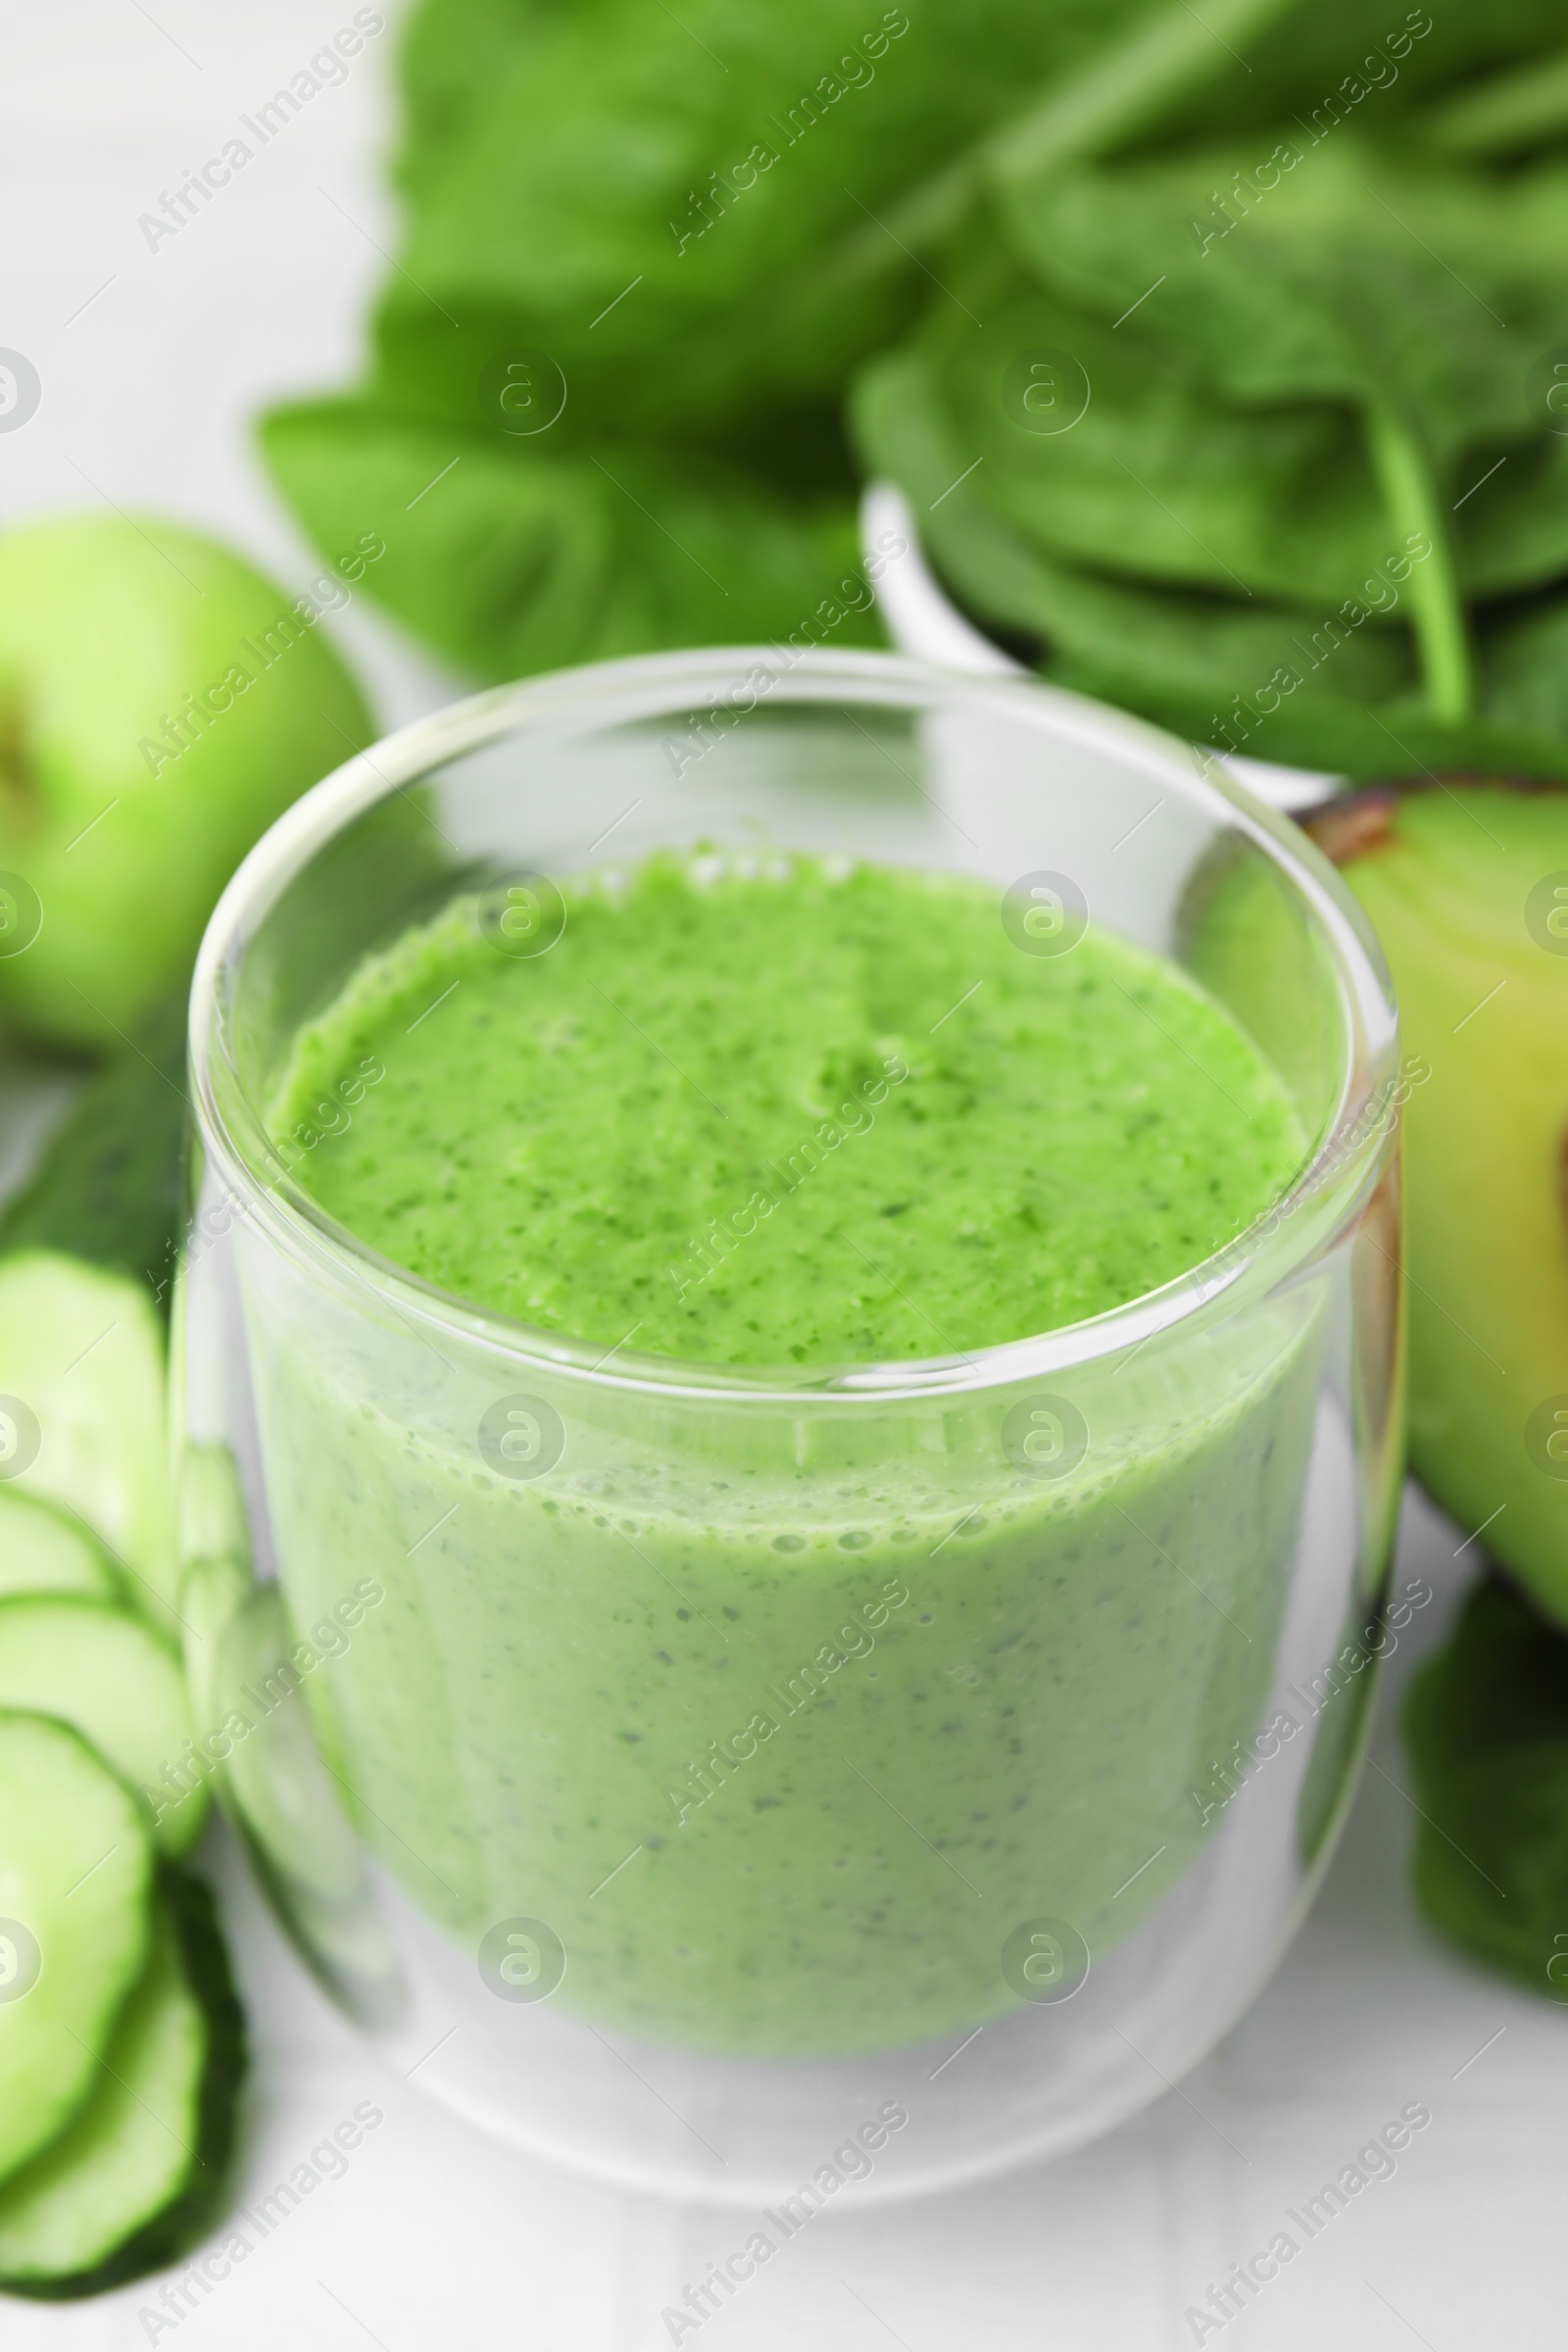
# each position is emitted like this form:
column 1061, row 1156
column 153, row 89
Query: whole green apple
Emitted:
column 161, row 703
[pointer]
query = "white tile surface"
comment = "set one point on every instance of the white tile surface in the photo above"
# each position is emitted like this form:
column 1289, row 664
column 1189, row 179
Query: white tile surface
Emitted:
column 433, row 2237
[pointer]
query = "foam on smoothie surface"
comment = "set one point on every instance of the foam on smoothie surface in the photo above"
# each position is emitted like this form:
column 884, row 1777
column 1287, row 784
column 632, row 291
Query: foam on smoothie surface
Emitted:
column 782, row 1109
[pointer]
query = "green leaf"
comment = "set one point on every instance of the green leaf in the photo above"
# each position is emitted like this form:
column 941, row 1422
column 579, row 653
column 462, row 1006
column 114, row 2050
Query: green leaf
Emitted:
column 688, row 212
column 518, row 559
column 1203, row 666
column 1513, row 111
column 706, row 219
column 1334, row 273
column 1161, row 479
column 1486, row 1728
column 1357, row 276
column 1168, row 479
column 1524, row 657
column 1334, row 60
column 697, row 170
column 1510, row 530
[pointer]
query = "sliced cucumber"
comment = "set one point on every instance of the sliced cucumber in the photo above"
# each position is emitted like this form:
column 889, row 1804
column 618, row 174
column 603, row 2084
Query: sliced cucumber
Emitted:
column 209, row 1508
column 134, row 2178
column 75, row 1875
column 100, row 1670
column 289, row 1808
column 211, row 1594
column 82, row 1352
column 43, row 1550
column 215, row 1577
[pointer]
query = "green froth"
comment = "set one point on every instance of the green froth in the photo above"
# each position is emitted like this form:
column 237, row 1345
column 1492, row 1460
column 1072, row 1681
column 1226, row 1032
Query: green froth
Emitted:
column 797, row 1116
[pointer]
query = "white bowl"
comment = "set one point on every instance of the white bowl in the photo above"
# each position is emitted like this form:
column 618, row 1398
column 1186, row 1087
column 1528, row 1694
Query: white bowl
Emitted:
column 922, row 620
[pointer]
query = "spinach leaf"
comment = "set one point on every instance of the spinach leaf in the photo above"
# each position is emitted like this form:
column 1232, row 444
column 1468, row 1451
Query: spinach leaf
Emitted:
column 1487, row 1730
column 1390, row 288
column 700, row 222
column 1340, row 272
column 1161, row 479
column 1511, row 528
column 1309, row 685
column 690, row 213
column 654, row 198
column 1524, row 653
column 521, row 558
column 1526, row 107
column 1326, row 61
column 1169, row 481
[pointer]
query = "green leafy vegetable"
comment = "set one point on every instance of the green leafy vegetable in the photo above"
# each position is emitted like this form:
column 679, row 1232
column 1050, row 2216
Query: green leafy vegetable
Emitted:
column 1394, row 291
column 1511, row 112
column 1487, row 1724
column 645, row 254
column 669, row 212
column 574, row 554
column 1212, row 669
column 1297, row 382
column 107, row 1188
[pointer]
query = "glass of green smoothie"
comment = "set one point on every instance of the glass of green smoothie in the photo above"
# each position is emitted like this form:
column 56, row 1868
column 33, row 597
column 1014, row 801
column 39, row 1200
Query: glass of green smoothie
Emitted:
column 790, row 1348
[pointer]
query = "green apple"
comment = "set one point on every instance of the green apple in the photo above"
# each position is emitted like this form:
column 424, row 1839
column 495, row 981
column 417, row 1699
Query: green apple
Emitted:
column 161, row 703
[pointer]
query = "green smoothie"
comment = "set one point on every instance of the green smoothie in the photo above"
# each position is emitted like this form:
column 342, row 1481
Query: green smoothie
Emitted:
column 782, row 1718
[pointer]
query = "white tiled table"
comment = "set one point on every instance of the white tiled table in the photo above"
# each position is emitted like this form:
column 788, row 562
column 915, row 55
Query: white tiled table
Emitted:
column 433, row 2236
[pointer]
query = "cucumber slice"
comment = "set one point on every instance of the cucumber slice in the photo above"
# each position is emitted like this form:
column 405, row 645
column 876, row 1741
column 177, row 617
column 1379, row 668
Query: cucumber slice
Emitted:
column 216, row 1579
column 288, row 1806
column 135, row 2176
column 42, row 1550
column 76, row 1874
column 209, row 1505
column 82, row 1352
column 100, row 1670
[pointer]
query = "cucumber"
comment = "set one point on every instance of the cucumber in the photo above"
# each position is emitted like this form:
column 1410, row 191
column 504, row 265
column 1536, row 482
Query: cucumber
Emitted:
column 83, row 1352
column 76, row 1878
column 100, row 1670
column 215, row 1577
column 43, row 1550
column 137, row 2175
column 288, row 1807
column 209, row 1505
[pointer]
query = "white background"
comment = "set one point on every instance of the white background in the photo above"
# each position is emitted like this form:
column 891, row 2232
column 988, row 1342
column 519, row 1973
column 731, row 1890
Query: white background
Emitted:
column 153, row 366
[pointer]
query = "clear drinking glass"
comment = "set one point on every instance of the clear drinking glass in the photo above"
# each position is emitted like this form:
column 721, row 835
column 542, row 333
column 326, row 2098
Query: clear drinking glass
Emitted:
column 736, row 1782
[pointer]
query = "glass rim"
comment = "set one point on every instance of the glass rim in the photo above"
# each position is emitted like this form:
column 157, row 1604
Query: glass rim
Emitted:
column 615, row 694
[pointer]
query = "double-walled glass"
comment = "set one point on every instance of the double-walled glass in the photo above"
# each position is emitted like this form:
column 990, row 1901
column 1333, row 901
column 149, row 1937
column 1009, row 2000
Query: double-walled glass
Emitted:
column 749, row 1782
